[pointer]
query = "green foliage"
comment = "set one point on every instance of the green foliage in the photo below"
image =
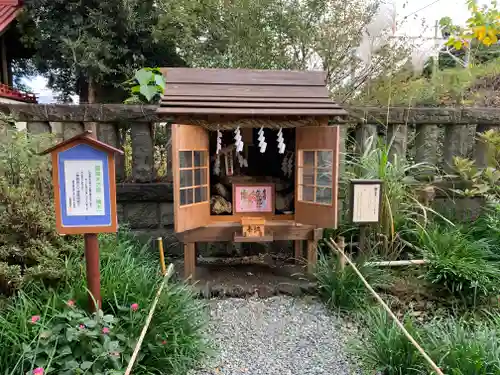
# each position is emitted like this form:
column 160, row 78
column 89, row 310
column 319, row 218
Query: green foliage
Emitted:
column 462, row 347
column 147, row 86
column 400, row 200
column 457, row 346
column 384, row 348
column 484, row 181
column 448, row 87
column 67, row 340
column 90, row 48
column 129, row 275
column 342, row 289
column 30, row 248
column 461, row 264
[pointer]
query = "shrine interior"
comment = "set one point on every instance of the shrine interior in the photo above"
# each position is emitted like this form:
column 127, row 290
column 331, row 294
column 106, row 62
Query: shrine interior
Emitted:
column 251, row 166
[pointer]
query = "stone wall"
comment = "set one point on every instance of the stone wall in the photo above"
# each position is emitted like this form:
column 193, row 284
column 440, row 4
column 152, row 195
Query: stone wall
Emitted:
column 144, row 196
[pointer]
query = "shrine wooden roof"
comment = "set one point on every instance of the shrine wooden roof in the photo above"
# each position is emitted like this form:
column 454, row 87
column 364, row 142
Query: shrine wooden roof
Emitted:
column 247, row 93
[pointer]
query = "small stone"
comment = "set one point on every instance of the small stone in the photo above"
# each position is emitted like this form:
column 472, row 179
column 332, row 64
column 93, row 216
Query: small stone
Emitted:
column 265, row 291
column 289, row 289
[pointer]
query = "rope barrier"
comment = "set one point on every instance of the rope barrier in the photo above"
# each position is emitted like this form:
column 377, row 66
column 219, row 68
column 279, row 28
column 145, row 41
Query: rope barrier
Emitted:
column 332, row 245
column 169, row 273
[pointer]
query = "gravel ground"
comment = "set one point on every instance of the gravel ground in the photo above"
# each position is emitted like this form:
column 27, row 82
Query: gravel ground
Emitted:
column 278, row 336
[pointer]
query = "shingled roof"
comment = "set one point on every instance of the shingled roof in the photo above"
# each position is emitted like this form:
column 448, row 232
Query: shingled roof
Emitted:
column 246, row 93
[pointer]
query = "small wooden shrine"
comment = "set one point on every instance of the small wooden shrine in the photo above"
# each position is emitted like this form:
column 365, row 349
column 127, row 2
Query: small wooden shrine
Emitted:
column 255, row 156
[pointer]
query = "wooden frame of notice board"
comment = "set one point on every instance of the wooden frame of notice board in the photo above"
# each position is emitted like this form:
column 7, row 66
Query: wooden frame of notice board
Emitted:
column 365, row 201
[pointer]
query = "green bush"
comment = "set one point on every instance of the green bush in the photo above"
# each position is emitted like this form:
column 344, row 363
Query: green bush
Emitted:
column 129, row 277
column 30, row 248
column 458, row 262
column 463, row 348
column 384, row 348
column 458, row 347
column 66, row 340
column 342, row 289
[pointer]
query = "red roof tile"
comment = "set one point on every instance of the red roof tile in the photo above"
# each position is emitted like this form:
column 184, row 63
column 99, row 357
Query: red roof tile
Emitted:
column 8, row 12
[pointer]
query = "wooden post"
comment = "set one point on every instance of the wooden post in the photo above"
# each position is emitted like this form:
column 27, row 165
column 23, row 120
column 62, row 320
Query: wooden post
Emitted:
column 341, row 245
column 93, row 273
column 298, row 256
column 162, row 256
column 312, row 250
column 189, row 260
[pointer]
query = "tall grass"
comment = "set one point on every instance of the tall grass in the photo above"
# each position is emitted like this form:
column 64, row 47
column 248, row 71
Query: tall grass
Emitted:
column 383, row 348
column 129, row 274
column 400, row 202
column 457, row 346
column 341, row 288
column 463, row 265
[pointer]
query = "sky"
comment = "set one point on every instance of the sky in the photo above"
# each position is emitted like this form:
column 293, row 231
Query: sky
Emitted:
column 414, row 18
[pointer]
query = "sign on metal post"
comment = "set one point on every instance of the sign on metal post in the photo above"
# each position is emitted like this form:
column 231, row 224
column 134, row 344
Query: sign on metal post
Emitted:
column 83, row 175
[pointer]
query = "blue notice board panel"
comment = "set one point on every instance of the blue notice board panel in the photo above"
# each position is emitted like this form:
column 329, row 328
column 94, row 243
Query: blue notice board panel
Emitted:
column 84, row 185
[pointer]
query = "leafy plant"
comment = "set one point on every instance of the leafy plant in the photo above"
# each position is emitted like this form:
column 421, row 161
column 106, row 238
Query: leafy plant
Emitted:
column 30, row 248
column 400, row 202
column 383, row 348
column 130, row 274
column 341, row 288
column 463, row 347
column 73, row 342
column 147, row 86
column 483, row 25
column 459, row 263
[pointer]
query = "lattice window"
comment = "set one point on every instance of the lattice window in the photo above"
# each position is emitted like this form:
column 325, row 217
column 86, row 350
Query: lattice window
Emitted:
column 193, row 177
column 315, row 173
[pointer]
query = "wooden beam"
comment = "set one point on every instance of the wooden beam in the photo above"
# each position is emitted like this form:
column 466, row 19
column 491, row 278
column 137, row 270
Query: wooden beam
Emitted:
column 312, row 255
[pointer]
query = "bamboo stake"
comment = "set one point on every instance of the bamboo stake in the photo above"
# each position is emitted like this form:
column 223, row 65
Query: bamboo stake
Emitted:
column 162, row 256
column 334, row 247
column 390, row 263
column 169, row 273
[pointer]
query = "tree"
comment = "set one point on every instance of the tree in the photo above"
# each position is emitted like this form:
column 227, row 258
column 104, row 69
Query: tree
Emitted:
column 269, row 34
column 89, row 47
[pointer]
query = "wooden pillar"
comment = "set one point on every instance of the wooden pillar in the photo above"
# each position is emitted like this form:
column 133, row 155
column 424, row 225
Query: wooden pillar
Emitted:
column 312, row 255
column 426, row 149
column 312, row 250
column 482, row 149
column 298, row 255
column 190, row 260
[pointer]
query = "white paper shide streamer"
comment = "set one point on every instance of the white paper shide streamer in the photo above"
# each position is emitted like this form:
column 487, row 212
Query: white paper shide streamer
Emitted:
column 217, row 158
column 262, row 140
column 287, row 164
column 243, row 162
column 281, row 143
column 238, row 142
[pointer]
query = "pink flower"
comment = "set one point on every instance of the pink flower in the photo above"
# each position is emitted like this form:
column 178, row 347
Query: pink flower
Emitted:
column 115, row 354
column 105, row 330
column 164, row 342
column 38, row 371
column 34, row 319
column 134, row 306
column 82, row 326
column 70, row 303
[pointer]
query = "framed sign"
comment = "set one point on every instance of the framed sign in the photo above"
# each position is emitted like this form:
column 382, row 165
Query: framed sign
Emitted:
column 253, row 198
column 83, row 174
column 366, row 201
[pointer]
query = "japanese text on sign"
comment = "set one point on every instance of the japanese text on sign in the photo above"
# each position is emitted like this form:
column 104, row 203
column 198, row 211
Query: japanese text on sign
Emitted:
column 84, row 185
column 366, row 203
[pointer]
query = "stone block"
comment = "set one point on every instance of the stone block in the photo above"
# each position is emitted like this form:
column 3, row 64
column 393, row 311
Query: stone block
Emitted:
column 167, row 214
column 142, row 215
column 120, row 212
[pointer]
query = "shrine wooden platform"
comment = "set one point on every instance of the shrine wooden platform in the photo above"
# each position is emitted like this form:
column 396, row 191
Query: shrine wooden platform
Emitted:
column 278, row 230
